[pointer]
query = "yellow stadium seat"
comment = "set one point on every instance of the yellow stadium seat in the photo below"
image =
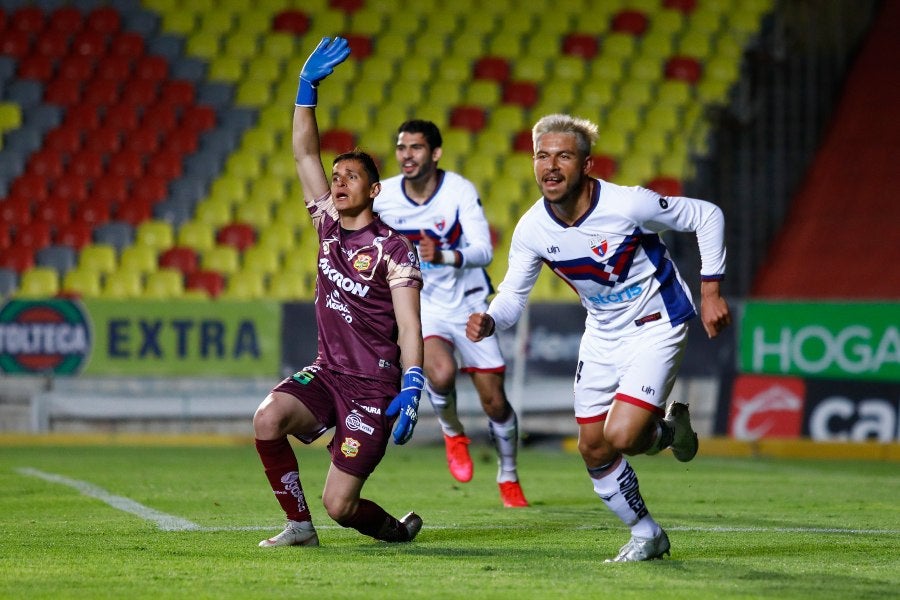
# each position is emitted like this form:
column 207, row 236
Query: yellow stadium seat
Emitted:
column 156, row 233
column 673, row 93
column 286, row 287
column 221, row 258
column 82, row 282
column 646, row 68
column 244, row 285
column 164, row 284
column 618, row 45
column 198, row 235
column 405, row 93
column 180, row 22
column 265, row 69
column 625, row 117
column 253, row 93
column 598, row 92
column 368, row 21
column 507, row 44
column 278, row 45
column 568, row 67
column 100, row 258
column 230, row 189
column 261, row 259
column 667, row 21
column 244, row 163
column 635, row 169
column 636, row 93
column 697, row 44
column 279, row 236
column 255, row 212
column 122, row 285
column 613, row 142
column 651, row 141
column 606, row 68
column 482, row 92
column 242, row 44
column 530, row 67
column 268, row 189
column 282, row 165
column 214, row 213
column 444, row 94
column 224, row 68
column 203, row 44
column 662, row 118
column 38, row 282
column 139, row 258
column 292, row 212
column 216, row 21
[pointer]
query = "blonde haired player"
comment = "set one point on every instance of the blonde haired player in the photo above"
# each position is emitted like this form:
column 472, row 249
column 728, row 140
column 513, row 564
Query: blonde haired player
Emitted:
column 603, row 240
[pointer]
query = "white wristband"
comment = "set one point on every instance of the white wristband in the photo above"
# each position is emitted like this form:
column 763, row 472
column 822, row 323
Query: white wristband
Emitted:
column 448, row 257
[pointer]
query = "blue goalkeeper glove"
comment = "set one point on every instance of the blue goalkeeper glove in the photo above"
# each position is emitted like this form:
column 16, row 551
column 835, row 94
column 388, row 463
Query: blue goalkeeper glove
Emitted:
column 320, row 64
column 406, row 404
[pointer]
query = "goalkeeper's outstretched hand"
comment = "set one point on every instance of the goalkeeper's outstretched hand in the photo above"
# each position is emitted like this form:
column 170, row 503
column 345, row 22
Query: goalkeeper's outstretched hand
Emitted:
column 321, row 63
column 406, row 404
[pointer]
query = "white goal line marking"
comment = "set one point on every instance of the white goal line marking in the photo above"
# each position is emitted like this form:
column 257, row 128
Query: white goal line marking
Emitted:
column 167, row 522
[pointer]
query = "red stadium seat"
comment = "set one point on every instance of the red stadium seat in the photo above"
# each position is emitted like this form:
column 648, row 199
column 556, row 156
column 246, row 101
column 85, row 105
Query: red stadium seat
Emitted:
column 83, row 117
column 177, row 93
column 36, row 67
column 31, row 186
column 134, row 212
column 73, row 188
column 52, row 44
column 104, row 20
column 180, row 257
column 522, row 142
column 630, row 21
column 16, row 44
column 360, row 46
column 166, row 163
column 470, row 118
column 603, row 166
column 114, row 67
column 155, row 68
column 239, row 235
column 46, row 163
column 123, row 117
column 160, row 117
column 89, row 43
column 666, row 186
column 126, row 163
column 76, row 234
column 150, row 188
column 15, row 212
column 18, row 258
column 55, row 209
column 139, row 93
column 495, row 68
column 64, row 92
column 127, row 44
column 65, row 139
column 66, row 19
column 583, row 45
column 101, row 92
column 347, row 6
column 29, row 19
column 93, row 211
column 183, row 140
column 76, row 67
column 337, row 140
column 684, row 68
column 5, row 238
column 88, row 163
column 143, row 140
column 198, row 117
column 105, row 139
column 210, row 281
column 291, row 21
column 34, row 236
column 521, row 93
column 685, row 6
column 111, row 190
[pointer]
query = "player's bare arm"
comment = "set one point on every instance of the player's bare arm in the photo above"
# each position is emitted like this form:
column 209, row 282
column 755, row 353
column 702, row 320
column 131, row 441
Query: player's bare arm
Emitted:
column 714, row 311
column 406, row 308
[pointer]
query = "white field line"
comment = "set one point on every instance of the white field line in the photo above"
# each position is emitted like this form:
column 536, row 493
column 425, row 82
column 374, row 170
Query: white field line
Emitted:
column 167, row 522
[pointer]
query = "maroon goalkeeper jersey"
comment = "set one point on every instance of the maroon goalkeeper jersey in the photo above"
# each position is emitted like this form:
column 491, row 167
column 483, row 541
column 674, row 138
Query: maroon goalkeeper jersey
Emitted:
column 356, row 271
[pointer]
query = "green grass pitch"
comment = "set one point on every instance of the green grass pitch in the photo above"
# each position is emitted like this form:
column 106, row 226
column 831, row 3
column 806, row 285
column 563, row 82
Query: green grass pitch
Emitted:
column 124, row 521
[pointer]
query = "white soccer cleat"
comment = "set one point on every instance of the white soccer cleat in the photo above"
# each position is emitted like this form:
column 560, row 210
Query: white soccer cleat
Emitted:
column 638, row 549
column 684, row 440
column 296, row 533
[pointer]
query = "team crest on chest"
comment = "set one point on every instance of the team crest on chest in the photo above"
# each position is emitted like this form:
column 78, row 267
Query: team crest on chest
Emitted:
column 599, row 246
column 440, row 225
column 362, row 262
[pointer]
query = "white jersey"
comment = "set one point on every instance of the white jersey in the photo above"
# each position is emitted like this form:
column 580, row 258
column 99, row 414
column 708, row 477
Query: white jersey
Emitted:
column 454, row 218
column 613, row 258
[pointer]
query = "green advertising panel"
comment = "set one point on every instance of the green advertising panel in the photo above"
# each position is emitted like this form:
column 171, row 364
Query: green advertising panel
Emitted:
column 220, row 338
column 822, row 339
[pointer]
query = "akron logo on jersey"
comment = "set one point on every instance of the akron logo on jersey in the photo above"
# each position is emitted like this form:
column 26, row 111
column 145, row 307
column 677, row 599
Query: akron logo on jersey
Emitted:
column 44, row 336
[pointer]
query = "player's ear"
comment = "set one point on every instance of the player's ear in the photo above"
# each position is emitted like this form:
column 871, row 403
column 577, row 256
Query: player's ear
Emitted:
column 375, row 189
column 588, row 164
column 436, row 154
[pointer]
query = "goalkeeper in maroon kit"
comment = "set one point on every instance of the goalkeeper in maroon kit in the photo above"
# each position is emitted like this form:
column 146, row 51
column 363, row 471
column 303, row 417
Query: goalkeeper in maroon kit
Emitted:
column 367, row 378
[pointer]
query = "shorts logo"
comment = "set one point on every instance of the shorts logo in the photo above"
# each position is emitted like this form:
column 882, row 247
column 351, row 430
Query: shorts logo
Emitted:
column 303, row 377
column 648, row 319
column 355, row 423
column 350, row 447
column 363, row 262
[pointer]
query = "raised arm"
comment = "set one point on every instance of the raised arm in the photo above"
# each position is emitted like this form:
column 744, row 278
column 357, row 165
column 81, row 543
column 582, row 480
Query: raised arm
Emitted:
column 320, row 64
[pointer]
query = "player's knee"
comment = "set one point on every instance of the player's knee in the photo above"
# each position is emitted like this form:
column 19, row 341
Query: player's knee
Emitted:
column 266, row 421
column 496, row 406
column 624, row 439
column 340, row 510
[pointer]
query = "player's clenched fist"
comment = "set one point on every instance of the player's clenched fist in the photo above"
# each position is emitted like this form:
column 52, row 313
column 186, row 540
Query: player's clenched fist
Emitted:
column 480, row 326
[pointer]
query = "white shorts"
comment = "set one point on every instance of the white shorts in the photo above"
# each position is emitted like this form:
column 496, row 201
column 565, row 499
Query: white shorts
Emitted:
column 482, row 357
column 639, row 369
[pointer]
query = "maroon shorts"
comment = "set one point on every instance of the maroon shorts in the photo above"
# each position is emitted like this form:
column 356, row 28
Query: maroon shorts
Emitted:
column 354, row 406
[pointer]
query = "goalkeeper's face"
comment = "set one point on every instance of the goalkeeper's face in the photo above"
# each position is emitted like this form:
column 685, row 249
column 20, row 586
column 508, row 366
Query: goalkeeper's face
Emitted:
column 351, row 188
column 416, row 158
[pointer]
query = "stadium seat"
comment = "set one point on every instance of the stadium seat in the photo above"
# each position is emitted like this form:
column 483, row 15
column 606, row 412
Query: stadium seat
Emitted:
column 38, row 282
column 209, row 282
column 244, row 285
column 221, row 258
column 122, row 285
column 197, row 235
column 139, row 258
column 62, row 259
column 286, row 287
column 278, row 235
column 84, row 283
column 156, row 234
column 603, row 166
column 34, row 236
column 240, row 235
column 100, row 258
column 76, row 234
column 182, row 258
column 261, row 259
column 164, row 284
column 9, row 281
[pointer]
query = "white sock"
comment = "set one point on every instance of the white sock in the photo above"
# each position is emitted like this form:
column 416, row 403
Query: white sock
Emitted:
column 619, row 490
column 445, row 409
column 505, row 437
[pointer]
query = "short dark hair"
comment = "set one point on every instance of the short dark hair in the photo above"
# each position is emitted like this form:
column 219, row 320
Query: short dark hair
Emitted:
column 427, row 128
column 367, row 161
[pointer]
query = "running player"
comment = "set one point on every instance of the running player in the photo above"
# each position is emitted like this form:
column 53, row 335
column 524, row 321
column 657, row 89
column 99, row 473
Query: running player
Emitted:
column 440, row 211
column 367, row 312
column 603, row 240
